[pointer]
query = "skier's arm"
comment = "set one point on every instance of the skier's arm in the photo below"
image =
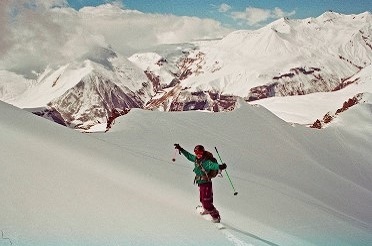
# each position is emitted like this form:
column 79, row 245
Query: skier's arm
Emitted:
column 210, row 165
column 188, row 155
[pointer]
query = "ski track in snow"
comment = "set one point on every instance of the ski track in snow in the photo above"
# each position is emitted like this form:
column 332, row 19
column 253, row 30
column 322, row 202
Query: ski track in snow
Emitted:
column 226, row 231
column 6, row 238
column 239, row 242
column 235, row 240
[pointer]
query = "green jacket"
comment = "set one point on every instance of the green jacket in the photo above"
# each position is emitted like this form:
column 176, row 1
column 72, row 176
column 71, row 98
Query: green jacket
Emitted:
column 206, row 164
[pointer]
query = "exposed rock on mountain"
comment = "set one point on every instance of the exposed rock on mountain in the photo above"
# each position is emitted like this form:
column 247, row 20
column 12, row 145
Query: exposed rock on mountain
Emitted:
column 285, row 58
column 328, row 117
column 92, row 101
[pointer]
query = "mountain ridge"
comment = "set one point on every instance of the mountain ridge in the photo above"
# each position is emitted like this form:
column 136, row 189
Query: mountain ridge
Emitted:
column 285, row 58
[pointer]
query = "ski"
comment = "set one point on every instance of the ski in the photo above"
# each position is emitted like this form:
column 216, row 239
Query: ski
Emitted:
column 199, row 210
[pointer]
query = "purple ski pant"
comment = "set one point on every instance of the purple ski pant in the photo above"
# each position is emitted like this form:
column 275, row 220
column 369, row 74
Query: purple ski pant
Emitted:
column 206, row 198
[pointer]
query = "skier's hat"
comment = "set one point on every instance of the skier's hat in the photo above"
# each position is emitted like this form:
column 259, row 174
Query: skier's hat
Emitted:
column 199, row 148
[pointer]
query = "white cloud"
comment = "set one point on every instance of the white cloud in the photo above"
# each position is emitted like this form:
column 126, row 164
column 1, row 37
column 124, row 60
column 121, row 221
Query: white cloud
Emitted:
column 4, row 27
column 223, row 8
column 129, row 30
column 37, row 34
column 32, row 33
column 279, row 13
column 256, row 16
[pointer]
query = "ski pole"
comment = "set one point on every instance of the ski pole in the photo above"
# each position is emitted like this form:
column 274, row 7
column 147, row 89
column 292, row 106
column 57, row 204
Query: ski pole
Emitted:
column 174, row 156
column 235, row 192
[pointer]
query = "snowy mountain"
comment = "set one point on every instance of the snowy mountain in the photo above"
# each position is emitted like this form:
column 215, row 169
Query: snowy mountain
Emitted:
column 297, row 186
column 84, row 94
column 286, row 58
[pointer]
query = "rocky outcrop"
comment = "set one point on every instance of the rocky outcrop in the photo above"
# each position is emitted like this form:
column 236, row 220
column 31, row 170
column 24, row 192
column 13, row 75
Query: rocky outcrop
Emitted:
column 298, row 81
column 328, row 117
column 92, row 102
column 115, row 113
column 51, row 114
column 155, row 80
column 203, row 100
column 190, row 65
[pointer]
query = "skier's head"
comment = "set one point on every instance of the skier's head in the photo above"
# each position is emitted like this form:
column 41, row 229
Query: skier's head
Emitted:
column 199, row 151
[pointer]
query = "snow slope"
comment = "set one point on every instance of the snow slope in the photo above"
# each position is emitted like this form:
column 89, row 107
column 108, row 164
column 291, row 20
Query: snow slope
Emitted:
column 307, row 108
column 336, row 45
column 297, row 186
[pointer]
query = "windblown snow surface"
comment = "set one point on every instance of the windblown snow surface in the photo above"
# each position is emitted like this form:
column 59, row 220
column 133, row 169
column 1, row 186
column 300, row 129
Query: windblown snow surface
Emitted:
column 297, row 186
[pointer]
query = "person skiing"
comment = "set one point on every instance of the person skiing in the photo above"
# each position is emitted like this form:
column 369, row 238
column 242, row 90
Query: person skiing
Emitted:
column 204, row 164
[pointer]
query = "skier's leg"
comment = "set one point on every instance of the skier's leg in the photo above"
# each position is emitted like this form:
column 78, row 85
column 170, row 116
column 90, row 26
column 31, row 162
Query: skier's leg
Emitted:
column 206, row 198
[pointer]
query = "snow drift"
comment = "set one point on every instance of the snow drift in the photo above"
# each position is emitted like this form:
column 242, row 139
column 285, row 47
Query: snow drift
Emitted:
column 297, row 186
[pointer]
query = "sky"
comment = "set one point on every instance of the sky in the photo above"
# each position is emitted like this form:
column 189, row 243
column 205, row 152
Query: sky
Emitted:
column 35, row 35
column 239, row 13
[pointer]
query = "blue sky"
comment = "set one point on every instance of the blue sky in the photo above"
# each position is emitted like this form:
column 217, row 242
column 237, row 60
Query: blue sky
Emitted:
column 239, row 13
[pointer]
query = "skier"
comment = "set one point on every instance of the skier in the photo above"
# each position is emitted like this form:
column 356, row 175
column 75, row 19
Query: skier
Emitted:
column 205, row 163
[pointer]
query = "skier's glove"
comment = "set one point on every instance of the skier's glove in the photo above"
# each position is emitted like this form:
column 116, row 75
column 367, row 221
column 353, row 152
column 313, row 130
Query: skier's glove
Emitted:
column 223, row 166
column 177, row 146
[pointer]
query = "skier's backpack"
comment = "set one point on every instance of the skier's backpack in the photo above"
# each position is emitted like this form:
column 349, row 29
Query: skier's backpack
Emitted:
column 209, row 156
column 213, row 173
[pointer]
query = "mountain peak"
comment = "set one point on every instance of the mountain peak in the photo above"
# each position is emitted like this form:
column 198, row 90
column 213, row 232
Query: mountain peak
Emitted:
column 285, row 58
column 330, row 15
column 100, row 55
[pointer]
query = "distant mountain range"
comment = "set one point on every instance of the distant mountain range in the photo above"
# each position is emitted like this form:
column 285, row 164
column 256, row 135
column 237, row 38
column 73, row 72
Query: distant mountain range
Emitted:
column 285, row 58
